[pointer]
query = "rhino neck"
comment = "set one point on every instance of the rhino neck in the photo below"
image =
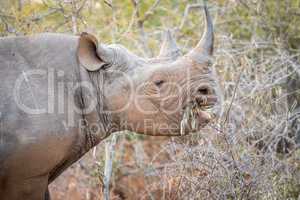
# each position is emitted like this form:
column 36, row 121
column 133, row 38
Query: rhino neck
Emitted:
column 105, row 118
column 97, row 124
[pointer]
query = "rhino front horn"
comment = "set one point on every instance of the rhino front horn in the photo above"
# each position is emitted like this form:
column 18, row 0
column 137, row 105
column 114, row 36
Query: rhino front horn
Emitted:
column 204, row 48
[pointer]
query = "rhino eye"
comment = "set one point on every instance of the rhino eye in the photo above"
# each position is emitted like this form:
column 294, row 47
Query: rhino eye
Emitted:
column 159, row 83
column 106, row 66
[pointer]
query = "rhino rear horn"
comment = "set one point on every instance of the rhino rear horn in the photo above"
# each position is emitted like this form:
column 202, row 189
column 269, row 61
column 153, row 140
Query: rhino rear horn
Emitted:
column 169, row 48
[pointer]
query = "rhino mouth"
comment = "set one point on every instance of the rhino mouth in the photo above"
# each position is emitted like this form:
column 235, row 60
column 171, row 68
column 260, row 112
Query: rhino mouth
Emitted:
column 197, row 114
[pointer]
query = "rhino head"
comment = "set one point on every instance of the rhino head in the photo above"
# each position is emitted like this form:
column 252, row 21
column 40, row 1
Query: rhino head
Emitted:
column 171, row 94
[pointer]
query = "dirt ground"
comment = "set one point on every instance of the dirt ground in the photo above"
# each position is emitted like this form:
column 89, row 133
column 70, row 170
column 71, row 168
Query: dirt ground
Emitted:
column 73, row 184
column 130, row 181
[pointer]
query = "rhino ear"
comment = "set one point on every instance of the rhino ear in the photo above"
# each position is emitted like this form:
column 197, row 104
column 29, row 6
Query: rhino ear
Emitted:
column 87, row 52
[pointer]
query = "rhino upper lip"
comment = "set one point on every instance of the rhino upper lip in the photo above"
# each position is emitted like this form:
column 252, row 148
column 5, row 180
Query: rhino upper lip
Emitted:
column 206, row 101
column 198, row 112
column 203, row 104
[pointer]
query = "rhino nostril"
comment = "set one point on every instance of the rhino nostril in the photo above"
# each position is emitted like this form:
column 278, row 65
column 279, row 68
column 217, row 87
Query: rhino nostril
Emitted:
column 203, row 91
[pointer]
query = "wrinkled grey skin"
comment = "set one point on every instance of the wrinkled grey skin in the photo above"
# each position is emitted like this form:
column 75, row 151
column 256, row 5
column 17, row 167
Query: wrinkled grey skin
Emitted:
column 36, row 148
